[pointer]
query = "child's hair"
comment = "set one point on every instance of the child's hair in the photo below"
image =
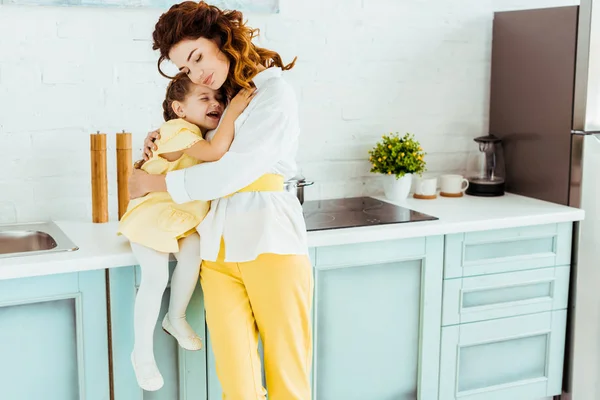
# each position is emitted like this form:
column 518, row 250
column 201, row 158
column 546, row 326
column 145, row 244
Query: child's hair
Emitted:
column 177, row 89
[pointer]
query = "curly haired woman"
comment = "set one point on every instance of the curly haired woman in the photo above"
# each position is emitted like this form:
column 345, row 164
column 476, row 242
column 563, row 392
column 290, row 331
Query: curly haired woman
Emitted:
column 256, row 275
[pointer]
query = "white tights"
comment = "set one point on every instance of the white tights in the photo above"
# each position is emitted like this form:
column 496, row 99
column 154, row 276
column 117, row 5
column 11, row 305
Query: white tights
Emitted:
column 155, row 276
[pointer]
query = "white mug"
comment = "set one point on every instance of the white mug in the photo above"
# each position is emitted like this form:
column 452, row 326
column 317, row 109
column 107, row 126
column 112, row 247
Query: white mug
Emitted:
column 453, row 185
column 426, row 186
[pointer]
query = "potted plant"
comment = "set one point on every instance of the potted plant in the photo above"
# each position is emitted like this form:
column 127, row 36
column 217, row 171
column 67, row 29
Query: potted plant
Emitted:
column 398, row 158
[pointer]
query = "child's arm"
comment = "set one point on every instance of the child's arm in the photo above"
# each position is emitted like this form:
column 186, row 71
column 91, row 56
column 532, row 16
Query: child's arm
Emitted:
column 219, row 145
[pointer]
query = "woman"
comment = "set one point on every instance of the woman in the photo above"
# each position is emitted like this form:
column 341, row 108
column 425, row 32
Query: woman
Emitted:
column 256, row 275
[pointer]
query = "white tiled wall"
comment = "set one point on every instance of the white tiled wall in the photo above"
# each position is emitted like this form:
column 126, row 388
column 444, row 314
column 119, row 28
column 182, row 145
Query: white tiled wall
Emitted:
column 366, row 67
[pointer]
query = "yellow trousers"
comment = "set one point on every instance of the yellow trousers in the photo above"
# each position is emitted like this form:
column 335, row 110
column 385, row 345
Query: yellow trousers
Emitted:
column 270, row 296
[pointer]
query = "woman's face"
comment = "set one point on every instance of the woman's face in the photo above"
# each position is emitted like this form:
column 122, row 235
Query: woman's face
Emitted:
column 202, row 60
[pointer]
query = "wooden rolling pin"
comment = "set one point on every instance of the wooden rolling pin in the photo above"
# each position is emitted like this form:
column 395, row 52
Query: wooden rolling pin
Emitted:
column 99, row 177
column 124, row 166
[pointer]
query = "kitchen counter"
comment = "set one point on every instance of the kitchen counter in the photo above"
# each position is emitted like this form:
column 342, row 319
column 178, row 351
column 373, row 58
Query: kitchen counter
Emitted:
column 455, row 215
column 480, row 294
column 100, row 247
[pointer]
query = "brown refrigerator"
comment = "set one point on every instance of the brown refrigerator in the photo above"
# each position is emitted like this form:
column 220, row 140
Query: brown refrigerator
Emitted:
column 545, row 106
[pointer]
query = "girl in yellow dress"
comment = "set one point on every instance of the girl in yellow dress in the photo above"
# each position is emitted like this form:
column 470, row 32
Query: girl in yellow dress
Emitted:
column 156, row 226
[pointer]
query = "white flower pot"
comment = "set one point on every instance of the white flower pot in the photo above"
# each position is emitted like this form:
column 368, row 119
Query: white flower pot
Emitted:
column 397, row 189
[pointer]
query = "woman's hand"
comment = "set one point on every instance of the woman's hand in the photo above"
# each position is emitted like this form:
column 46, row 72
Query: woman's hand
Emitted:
column 241, row 100
column 141, row 183
column 137, row 183
column 149, row 145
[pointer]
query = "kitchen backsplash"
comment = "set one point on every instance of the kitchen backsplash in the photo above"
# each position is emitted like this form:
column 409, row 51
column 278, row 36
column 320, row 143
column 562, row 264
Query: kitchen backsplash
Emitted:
column 365, row 68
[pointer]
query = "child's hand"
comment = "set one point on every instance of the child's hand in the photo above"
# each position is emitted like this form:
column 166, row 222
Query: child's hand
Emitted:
column 241, row 100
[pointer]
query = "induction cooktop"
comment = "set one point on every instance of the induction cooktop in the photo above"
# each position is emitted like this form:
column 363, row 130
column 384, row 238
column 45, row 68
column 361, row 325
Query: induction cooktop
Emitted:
column 357, row 211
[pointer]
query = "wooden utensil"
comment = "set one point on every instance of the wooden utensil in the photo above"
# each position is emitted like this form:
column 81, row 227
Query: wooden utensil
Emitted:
column 124, row 166
column 99, row 177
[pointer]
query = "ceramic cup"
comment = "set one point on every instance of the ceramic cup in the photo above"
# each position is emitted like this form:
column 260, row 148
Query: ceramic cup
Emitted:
column 426, row 188
column 453, row 185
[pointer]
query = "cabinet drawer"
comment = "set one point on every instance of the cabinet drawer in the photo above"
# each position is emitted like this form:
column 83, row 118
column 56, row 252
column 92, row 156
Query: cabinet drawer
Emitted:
column 503, row 250
column 509, row 358
column 505, row 295
column 369, row 253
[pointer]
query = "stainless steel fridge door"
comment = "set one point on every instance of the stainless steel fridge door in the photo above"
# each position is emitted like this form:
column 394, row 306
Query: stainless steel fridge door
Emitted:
column 531, row 98
column 582, row 375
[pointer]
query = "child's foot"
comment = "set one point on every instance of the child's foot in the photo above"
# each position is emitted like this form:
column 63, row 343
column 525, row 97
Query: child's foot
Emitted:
column 147, row 374
column 183, row 333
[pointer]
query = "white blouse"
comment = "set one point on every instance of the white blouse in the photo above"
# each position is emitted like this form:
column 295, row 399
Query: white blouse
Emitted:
column 266, row 141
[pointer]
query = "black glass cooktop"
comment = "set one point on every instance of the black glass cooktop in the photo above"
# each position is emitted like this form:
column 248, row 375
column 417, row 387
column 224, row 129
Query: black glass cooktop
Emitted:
column 357, row 211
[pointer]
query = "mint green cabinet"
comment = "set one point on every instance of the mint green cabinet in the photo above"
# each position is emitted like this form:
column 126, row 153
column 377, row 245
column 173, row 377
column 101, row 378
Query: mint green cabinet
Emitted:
column 184, row 372
column 377, row 316
column 504, row 313
column 54, row 337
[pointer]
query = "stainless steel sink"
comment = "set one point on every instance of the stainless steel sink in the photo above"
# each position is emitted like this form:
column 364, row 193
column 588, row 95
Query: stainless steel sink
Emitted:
column 33, row 239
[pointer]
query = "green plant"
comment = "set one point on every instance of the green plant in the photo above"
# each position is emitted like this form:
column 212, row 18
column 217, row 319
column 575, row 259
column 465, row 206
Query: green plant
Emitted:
column 397, row 155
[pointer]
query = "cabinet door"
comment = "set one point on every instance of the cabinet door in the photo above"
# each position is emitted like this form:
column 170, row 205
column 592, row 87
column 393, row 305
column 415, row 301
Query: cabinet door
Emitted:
column 377, row 325
column 184, row 371
column 54, row 337
column 519, row 358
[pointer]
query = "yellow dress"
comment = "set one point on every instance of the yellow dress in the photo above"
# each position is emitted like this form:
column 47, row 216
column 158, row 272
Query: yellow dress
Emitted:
column 155, row 220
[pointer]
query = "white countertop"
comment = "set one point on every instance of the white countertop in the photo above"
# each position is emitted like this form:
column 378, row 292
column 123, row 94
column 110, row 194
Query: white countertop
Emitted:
column 100, row 247
column 456, row 215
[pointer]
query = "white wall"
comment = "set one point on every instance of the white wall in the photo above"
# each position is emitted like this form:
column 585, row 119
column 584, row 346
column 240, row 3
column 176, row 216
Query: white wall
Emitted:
column 366, row 67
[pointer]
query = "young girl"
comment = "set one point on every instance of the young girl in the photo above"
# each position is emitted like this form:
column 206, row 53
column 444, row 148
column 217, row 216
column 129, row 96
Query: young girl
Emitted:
column 157, row 226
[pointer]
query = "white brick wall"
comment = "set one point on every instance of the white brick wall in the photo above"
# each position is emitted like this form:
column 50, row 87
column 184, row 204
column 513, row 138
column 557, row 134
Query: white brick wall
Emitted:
column 366, row 67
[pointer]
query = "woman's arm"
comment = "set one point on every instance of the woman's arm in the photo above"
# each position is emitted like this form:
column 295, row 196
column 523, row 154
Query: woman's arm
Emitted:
column 141, row 183
column 270, row 129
